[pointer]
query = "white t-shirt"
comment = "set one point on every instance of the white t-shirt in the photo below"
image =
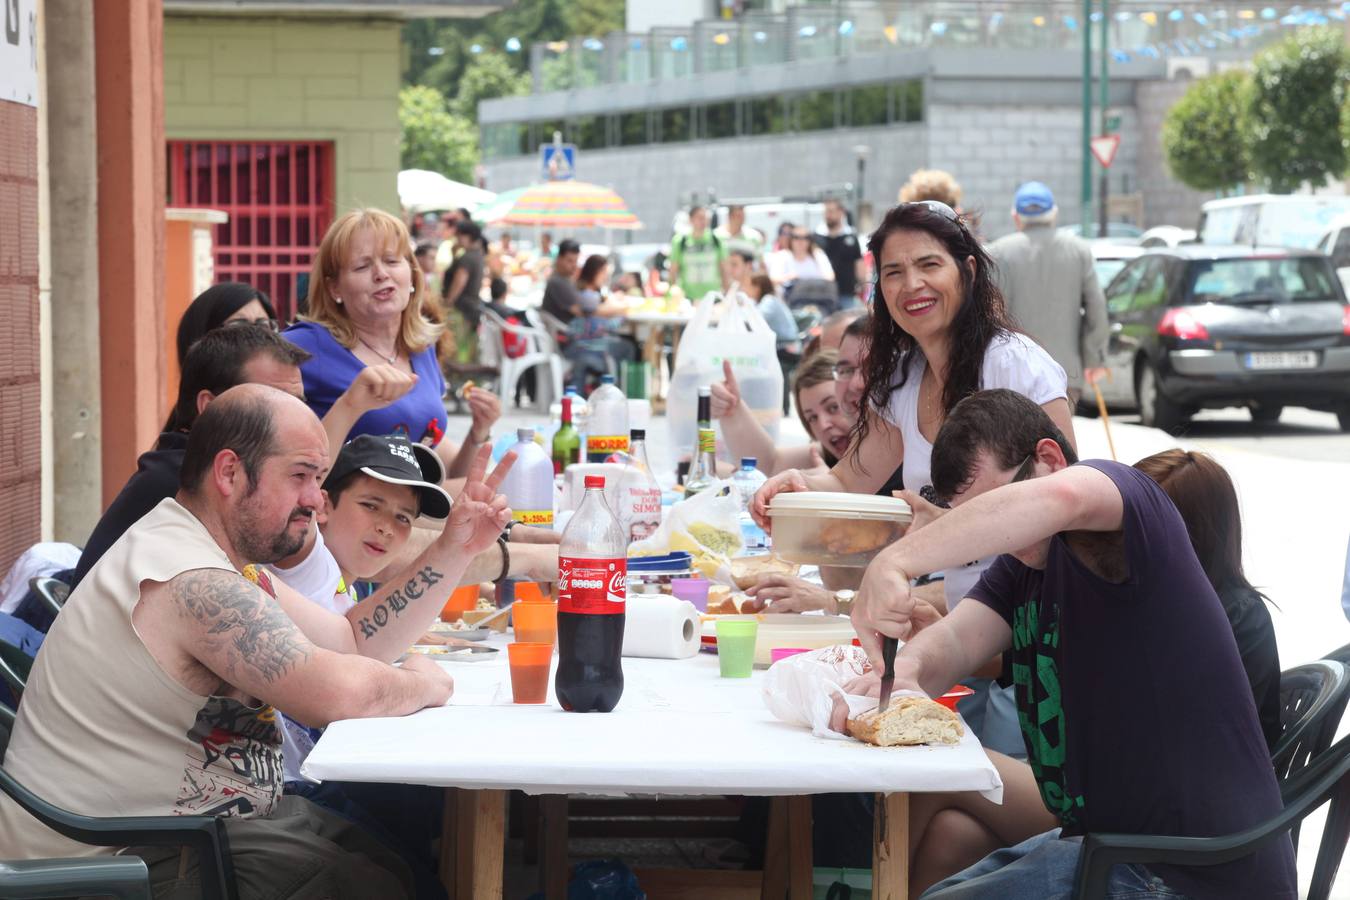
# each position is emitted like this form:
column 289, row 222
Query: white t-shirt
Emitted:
column 1012, row 361
column 317, row 577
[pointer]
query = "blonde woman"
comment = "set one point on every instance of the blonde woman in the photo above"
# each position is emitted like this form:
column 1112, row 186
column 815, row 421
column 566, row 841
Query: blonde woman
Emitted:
column 366, row 327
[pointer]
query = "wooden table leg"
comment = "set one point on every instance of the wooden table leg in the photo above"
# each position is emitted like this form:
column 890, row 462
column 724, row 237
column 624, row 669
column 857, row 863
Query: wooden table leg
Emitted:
column 890, row 856
column 553, row 846
column 774, row 880
column 799, row 848
column 480, row 844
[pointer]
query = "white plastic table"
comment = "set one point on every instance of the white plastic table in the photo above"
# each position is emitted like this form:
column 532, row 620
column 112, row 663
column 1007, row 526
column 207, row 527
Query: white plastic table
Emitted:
column 680, row 729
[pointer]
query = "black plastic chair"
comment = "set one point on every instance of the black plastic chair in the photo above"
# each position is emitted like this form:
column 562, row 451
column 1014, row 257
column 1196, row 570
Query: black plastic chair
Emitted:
column 1312, row 698
column 205, row 835
column 14, row 668
column 1325, row 778
column 53, row 592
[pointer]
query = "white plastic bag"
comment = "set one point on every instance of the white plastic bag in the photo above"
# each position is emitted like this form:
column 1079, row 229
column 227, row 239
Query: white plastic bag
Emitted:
column 741, row 336
column 706, row 526
column 800, row 690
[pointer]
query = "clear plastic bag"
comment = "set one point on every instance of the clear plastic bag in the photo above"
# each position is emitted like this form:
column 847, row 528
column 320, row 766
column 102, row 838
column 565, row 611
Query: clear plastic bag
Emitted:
column 800, row 690
column 706, row 526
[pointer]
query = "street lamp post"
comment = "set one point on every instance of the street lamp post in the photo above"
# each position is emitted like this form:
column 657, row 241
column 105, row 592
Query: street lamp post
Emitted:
column 1086, row 187
column 1105, row 99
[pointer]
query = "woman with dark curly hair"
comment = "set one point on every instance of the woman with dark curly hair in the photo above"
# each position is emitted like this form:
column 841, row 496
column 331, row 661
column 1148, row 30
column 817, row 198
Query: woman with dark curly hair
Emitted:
column 940, row 332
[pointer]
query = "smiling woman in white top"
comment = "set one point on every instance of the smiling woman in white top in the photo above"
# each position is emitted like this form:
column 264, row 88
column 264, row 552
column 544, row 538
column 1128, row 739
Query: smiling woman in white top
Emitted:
column 940, row 332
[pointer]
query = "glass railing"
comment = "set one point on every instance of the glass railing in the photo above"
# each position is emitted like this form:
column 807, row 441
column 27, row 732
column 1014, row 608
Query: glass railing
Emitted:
column 1137, row 29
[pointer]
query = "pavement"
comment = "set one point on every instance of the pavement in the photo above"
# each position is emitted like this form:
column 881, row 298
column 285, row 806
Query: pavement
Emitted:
column 1293, row 483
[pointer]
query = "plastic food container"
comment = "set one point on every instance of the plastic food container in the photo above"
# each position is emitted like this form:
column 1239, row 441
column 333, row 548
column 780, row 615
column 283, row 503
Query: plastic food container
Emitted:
column 800, row 632
column 655, row 574
column 821, row 528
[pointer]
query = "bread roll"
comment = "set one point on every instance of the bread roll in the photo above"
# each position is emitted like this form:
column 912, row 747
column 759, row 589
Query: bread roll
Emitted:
column 908, row 720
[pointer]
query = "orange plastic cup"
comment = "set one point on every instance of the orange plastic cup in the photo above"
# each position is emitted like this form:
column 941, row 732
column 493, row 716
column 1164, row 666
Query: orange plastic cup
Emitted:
column 529, row 671
column 462, row 599
column 529, row 592
column 536, row 622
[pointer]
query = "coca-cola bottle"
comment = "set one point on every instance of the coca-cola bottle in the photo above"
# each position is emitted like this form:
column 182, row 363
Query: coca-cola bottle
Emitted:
column 592, row 572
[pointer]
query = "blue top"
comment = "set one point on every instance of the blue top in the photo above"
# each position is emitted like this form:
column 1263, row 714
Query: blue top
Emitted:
column 419, row 414
column 1136, row 710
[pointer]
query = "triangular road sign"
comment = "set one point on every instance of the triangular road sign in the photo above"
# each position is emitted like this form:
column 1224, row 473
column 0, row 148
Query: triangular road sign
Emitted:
column 1104, row 148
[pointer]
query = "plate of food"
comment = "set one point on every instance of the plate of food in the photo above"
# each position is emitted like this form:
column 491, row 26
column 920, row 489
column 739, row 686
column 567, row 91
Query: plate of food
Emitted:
column 452, row 652
column 462, row 631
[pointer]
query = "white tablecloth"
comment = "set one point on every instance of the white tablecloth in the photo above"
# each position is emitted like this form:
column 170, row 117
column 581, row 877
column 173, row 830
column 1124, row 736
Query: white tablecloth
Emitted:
column 680, row 729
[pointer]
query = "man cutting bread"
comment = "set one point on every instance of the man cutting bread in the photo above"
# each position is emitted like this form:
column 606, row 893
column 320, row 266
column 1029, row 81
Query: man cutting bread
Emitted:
column 1103, row 612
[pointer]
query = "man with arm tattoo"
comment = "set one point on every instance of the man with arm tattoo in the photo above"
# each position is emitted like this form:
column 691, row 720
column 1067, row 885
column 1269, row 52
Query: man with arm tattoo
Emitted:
column 157, row 688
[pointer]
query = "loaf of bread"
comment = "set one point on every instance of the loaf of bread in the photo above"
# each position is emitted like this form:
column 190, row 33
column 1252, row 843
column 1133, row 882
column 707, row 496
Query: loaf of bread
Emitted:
column 908, row 720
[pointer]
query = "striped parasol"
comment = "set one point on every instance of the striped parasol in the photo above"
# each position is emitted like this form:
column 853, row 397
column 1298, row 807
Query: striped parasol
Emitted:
column 573, row 204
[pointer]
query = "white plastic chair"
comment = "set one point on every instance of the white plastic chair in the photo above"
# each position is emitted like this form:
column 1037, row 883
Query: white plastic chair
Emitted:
column 540, row 350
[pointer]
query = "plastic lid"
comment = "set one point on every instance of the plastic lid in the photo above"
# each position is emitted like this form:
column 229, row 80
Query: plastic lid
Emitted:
column 749, row 462
column 606, row 378
column 598, row 481
column 671, row 562
column 799, row 502
column 525, row 435
column 638, row 434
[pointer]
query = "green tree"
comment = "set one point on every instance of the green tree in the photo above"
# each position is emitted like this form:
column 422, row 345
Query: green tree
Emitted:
column 1294, row 105
column 433, row 137
column 1203, row 136
column 487, row 76
column 595, row 17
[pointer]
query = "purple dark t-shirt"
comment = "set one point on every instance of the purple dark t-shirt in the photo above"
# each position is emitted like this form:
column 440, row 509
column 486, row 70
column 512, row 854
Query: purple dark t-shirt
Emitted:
column 1137, row 712
column 420, row 413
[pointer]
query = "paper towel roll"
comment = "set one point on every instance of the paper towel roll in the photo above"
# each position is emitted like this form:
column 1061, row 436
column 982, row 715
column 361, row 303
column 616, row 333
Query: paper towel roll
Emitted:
column 660, row 627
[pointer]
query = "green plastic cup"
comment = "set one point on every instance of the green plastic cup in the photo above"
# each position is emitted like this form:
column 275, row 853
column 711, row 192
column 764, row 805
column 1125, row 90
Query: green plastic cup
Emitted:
column 736, row 646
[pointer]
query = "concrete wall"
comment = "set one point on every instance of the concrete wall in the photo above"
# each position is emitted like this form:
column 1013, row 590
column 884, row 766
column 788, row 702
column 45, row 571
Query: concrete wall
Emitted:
column 1166, row 200
column 656, row 179
column 292, row 79
column 20, row 371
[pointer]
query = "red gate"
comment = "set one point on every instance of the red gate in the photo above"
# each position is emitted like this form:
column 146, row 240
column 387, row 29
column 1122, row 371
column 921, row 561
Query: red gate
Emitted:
column 279, row 195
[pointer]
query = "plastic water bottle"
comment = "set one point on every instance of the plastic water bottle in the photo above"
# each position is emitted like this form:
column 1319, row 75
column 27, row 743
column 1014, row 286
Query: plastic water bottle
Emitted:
column 607, row 423
column 529, row 485
column 748, row 481
column 639, row 494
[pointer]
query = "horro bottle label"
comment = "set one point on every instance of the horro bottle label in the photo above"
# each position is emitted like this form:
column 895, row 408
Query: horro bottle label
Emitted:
column 594, row 587
column 533, row 516
column 606, row 443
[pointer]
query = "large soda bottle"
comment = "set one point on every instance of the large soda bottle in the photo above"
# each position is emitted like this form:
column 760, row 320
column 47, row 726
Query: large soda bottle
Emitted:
column 639, row 494
column 607, row 422
column 592, row 575
column 528, row 487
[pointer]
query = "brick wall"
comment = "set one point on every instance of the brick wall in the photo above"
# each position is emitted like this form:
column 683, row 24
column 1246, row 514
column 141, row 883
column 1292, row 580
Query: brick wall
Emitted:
column 228, row 78
column 20, row 442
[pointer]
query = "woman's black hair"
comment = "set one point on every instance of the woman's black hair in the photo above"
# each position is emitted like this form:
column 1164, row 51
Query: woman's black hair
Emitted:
column 594, row 265
column 211, row 308
column 981, row 318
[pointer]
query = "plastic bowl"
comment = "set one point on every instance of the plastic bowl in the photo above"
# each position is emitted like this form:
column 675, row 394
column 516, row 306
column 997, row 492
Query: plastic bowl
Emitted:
column 954, row 695
column 835, row 529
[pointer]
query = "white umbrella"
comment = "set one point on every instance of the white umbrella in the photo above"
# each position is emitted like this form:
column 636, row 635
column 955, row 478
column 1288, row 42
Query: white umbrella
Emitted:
column 420, row 190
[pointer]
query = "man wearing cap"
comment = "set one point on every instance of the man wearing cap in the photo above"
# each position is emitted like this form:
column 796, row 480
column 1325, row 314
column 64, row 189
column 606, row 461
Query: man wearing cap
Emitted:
column 157, row 689
column 1051, row 288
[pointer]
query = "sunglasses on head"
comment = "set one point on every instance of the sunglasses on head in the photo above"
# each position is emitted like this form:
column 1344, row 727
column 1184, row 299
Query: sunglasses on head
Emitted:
column 937, row 206
column 1025, row 469
column 265, row 322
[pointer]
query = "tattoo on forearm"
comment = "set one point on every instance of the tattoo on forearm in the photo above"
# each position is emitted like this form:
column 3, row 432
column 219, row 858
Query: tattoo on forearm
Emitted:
column 267, row 642
column 397, row 601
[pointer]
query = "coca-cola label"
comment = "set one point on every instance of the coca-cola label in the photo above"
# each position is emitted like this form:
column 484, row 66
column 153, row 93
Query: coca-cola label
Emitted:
column 594, row 587
column 533, row 517
column 606, row 444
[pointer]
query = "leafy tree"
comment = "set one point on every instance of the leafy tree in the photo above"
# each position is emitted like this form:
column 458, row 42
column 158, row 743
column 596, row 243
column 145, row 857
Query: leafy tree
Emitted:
column 595, row 17
column 1294, row 104
column 1203, row 136
column 433, row 137
column 488, row 75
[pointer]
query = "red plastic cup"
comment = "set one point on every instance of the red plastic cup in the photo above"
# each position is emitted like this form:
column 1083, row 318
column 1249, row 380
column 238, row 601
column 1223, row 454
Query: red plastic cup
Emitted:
column 462, row 599
column 530, row 665
column 953, row 696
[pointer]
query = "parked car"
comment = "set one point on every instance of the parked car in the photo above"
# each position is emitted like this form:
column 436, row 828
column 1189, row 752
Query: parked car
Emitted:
column 1274, row 220
column 1336, row 244
column 1108, row 258
column 1167, row 236
column 1199, row 326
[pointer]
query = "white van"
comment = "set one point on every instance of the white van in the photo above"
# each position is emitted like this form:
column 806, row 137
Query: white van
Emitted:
column 1336, row 244
column 1271, row 220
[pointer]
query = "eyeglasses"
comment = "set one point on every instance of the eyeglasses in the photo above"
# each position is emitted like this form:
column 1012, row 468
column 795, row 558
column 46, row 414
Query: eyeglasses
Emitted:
column 1024, row 471
column 938, row 207
column 268, row 323
column 843, row 371
column 801, row 237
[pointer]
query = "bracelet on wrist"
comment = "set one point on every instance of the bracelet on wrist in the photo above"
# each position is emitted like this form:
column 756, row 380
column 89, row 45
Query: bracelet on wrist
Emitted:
column 506, row 561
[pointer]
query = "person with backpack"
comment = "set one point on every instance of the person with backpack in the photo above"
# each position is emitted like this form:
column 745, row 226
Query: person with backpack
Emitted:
column 697, row 257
